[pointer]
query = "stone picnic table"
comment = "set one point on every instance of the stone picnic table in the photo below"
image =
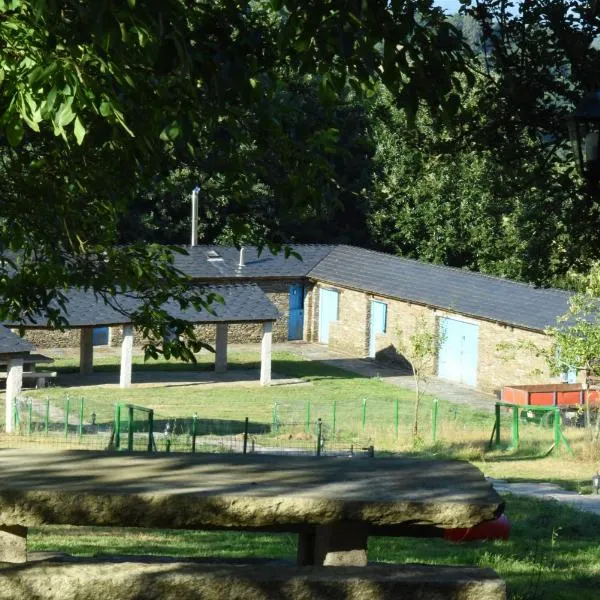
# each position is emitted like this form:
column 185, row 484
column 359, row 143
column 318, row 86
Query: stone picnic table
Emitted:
column 334, row 504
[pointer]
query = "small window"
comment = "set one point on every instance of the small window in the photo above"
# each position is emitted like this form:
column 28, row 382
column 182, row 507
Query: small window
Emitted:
column 213, row 255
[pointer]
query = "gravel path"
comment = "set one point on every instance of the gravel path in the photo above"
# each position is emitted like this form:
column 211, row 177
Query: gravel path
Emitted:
column 548, row 491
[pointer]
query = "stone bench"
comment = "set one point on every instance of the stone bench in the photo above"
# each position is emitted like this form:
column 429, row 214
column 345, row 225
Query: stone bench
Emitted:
column 173, row 579
column 39, row 377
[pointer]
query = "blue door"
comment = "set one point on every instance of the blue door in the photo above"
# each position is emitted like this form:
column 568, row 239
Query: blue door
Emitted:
column 457, row 359
column 328, row 311
column 296, row 316
column 100, row 336
column 378, row 324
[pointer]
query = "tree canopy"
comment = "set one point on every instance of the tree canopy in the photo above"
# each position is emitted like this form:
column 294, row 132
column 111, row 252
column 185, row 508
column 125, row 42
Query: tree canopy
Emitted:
column 101, row 98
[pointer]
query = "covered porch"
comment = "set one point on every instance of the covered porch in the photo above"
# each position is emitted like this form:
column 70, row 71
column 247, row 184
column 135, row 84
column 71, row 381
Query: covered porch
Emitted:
column 245, row 303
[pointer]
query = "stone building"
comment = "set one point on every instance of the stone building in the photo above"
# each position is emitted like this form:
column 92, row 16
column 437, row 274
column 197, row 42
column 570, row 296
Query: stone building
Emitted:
column 360, row 302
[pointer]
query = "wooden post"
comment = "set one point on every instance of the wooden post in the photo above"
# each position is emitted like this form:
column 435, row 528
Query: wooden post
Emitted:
column 14, row 384
column 126, row 356
column 265, row 353
column 221, row 348
column 86, row 351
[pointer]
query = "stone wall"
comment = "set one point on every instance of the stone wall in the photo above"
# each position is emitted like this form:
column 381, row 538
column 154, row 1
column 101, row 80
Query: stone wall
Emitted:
column 48, row 338
column 497, row 367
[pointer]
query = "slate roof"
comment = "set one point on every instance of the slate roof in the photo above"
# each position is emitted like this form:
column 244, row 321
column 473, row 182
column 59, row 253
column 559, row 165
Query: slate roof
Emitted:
column 455, row 290
column 11, row 343
column 243, row 303
column 197, row 263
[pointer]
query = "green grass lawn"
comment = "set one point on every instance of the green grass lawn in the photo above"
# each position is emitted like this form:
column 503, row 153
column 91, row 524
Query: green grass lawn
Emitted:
column 553, row 553
column 462, row 432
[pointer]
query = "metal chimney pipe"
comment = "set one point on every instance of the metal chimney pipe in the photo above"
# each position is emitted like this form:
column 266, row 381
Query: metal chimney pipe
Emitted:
column 242, row 263
column 195, row 193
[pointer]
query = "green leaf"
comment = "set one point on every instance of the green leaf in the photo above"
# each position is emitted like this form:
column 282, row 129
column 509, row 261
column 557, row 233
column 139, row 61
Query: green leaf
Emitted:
column 15, row 131
column 131, row 3
column 49, row 103
column 65, row 113
column 79, row 131
column 106, row 108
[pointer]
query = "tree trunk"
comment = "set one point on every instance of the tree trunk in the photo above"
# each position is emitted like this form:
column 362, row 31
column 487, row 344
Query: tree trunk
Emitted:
column 415, row 429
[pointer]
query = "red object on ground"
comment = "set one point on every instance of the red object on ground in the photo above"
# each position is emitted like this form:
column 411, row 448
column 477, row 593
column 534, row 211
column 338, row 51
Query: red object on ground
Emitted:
column 498, row 529
column 551, row 394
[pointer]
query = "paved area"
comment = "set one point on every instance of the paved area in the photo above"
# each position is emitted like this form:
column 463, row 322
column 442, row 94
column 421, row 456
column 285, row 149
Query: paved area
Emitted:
column 549, row 491
column 367, row 367
column 156, row 378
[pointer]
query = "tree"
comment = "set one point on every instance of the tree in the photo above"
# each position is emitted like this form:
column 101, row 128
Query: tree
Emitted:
column 439, row 197
column 420, row 349
column 100, row 99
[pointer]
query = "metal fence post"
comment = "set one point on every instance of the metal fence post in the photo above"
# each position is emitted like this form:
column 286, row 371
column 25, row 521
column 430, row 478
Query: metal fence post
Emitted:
column 319, row 436
column 194, row 421
column 515, row 427
column 151, row 429
column 47, row 418
column 29, row 416
column 80, row 418
column 307, row 416
column 333, row 421
column 245, row 436
column 275, row 418
column 434, row 418
column 556, row 428
column 397, row 416
column 117, row 426
column 67, row 408
column 497, row 424
column 364, row 413
column 130, row 428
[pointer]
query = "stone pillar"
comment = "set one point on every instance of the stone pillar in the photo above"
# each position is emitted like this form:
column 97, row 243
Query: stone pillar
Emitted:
column 13, row 543
column 265, row 353
column 221, row 348
column 126, row 356
column 86, row 351
column 14, row 384
column 341, row 544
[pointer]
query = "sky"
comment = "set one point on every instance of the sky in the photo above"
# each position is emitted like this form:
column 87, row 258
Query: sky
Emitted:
column 450, row 6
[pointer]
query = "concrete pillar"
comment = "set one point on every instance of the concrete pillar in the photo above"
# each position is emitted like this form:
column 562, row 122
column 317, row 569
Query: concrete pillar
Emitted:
column 221, row 348
column 14, row 385
column 265, row 353
column 86, row 351
column 126, row 356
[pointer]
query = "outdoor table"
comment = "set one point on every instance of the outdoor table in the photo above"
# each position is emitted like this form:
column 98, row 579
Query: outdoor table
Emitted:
column 31, row 360
column 334, row 504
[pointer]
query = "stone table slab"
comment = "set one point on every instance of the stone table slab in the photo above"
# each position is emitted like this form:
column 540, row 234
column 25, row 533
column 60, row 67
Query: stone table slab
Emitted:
column 235, row 491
